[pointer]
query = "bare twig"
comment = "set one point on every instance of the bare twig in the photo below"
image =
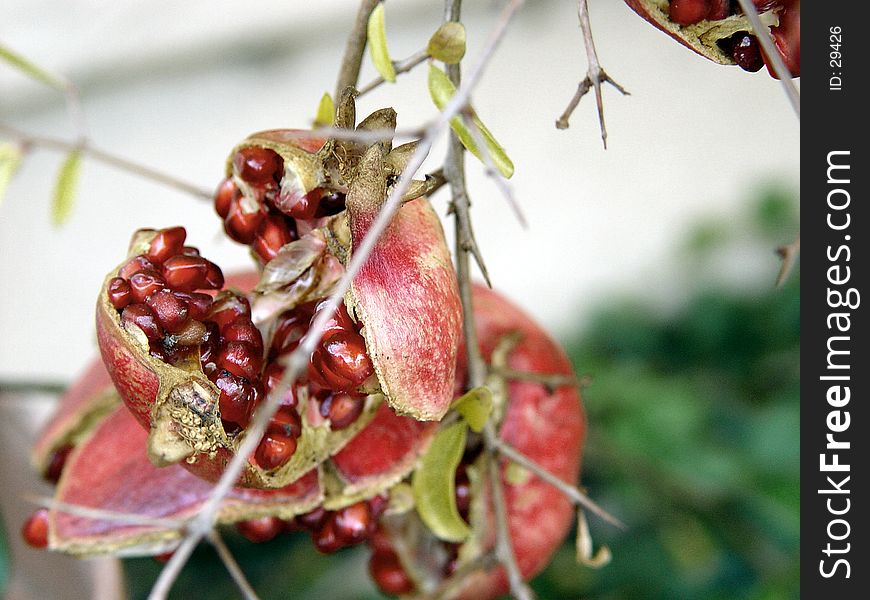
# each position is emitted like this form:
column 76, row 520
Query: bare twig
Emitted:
column 348, row 74
column 400, row 66
column 232, row 566
column 551, row 381
column 106, row 515
column 595, row 76
column 503, row 544
column 569, row 490
column 789, row 254
column 492, row 171
column 455, row 171
column 297, row 361
column 102, row 156
column 766, row 41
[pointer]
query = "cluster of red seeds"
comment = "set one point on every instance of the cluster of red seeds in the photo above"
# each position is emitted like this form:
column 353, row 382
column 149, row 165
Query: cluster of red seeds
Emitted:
column 269, row 220
column 331, row 530
column 743, row 47
column 157, row 291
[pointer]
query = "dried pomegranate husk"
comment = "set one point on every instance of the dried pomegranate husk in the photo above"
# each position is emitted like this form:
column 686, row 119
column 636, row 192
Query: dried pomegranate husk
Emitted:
column 179, row 406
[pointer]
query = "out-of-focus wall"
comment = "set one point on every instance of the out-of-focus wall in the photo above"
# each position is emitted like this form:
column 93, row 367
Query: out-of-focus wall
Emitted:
column 175, row 84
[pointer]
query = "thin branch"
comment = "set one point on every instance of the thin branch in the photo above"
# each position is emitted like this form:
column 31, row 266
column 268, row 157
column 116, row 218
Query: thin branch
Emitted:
column 400, row 66
column 297, row 361
column 106, row 515
column 572, row 492
column 102, row 156
column 232, row 566
column 551, row 381
column 454, row 169
column 766, row 40
column 348, row 74
column 595, row 76
column 789, row 254
column 492, row 171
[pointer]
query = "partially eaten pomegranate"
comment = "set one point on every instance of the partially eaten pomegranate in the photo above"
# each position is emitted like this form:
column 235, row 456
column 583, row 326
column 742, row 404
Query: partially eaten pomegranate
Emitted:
column 718, row 29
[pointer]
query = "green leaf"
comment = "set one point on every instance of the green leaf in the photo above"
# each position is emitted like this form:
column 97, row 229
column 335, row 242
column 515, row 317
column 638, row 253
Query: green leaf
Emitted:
column 377, row 37
column 441, row 89
column 325, row 111
column 10, row 160
column 65, row 188
column 475, row 406
column 434, row 486
column 448, row 43
column 32, row 70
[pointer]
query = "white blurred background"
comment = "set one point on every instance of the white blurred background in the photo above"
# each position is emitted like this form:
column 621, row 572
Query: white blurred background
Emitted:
column 174, row 85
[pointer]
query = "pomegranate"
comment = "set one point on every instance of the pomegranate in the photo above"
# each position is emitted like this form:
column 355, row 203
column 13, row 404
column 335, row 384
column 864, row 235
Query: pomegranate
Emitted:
column 539, row 517
column 192, row 367
column 718, row 29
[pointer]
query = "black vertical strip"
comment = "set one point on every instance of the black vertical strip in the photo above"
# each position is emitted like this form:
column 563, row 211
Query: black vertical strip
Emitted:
column 834, row 261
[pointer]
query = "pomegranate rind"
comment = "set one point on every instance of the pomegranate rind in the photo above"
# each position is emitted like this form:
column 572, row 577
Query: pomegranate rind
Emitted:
column 701, row 37
column 407, row 297
column 378, row 457
column 547, row 427
column 179, row 407
column 87, row 400
column 111, row 472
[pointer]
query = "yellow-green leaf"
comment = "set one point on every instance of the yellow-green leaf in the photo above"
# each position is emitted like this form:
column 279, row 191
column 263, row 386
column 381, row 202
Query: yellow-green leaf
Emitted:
column 10, row 160
column 475, row 406
column 325, row 111
column 448, row 43
column 434, row 486
column 65, row 188
column 31, row 70
column 377, row 38
column 441, row 89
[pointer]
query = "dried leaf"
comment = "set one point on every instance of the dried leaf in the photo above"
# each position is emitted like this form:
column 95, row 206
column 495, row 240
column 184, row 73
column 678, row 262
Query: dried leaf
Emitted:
column 475, row 406
column 65, row 188
column 448, row 43
column 31, row 70
column 583, row 544
column 441, row 89
column 377, row 38
column 10, row 160
column 435, row 488
column 325, row 111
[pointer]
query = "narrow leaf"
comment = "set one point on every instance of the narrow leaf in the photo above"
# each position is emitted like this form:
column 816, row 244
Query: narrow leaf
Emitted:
column 448, row 43
column 325, row 111
column 475, row 406
column 31, row 70
column 377, row 38
column 10, row 160
column 434, row 486
column 65, row 188
column 441, row 89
